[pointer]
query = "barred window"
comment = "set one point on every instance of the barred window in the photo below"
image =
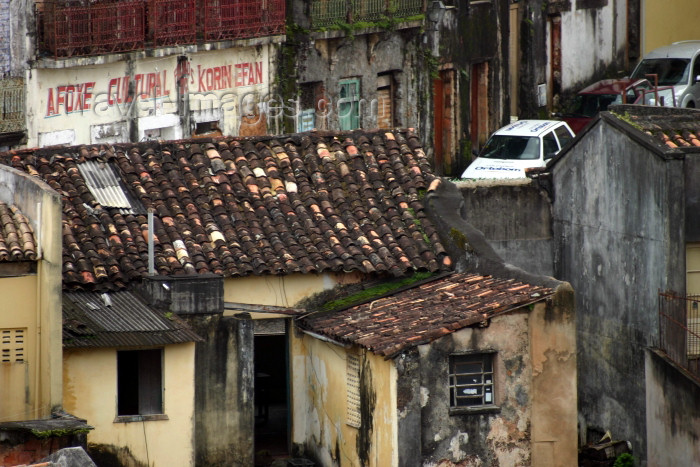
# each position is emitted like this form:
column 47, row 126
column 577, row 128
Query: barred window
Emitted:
column 472, row 380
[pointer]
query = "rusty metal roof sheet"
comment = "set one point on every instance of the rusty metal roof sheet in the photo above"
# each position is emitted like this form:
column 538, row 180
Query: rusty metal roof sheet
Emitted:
column 421, row 314
column 118, row 319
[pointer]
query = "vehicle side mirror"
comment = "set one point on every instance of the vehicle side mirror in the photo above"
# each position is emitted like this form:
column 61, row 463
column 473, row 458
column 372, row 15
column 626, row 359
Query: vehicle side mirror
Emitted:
column 475, row 153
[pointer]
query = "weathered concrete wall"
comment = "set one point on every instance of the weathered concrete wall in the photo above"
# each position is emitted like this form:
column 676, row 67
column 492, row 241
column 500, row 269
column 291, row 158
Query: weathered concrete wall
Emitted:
column 515, row 217
column 488, row 438
column 583, row 22
column 618, row 228
column 692, row 198
column 673, row 413
column 224, row 404
column 320, row 422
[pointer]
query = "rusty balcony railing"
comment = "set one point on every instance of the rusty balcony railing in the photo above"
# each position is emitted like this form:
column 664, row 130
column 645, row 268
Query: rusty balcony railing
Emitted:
column 172, row 22
column 242, row 19
column 70, row 28
column 325, row 13
column 12, row 105
column 679, row 330
column 73, row 28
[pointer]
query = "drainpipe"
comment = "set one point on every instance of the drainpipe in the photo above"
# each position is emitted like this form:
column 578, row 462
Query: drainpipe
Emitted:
column 151, row 261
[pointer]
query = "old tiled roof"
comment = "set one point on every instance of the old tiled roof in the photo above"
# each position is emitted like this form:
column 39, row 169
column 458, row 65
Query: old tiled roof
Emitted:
column 16, row 235
column 419, row 315
column 672, row 128
column 118, row 319
column 306, row 203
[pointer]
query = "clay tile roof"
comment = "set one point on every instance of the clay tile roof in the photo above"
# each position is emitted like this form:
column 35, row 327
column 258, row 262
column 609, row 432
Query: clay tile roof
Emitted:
column 307, row 203
column 671, row 128
column 17, row 241
column 118, row 319
column 419, row 315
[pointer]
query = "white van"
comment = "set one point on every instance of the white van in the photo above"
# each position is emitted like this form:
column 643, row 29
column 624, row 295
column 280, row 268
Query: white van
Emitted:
column 676, row 66
column 521, row 145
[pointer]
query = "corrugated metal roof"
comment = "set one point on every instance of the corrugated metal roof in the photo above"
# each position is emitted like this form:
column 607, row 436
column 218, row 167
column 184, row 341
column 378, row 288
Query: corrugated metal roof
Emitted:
column 103, row 181
column 118, row 319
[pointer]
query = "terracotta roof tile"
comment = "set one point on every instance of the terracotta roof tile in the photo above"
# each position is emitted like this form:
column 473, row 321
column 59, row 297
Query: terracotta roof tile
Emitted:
column 421, row 314
column 17, row 242
column 308, row 203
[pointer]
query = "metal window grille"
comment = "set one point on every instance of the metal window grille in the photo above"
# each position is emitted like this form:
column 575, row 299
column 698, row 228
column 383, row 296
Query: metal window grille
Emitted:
column 353, row 391
column 679, row 330
column 328, row 12
column 12, row 345
column 471, row 380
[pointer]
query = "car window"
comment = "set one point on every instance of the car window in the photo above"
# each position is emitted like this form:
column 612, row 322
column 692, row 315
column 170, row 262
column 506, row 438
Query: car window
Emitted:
column 670, row 71
column 563, row 136
column 511, row 147
column 549, row 145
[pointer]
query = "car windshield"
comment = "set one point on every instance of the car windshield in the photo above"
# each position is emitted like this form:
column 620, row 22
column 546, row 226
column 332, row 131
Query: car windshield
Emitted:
column 512, row 147
column 588, row 105
column 671, row 71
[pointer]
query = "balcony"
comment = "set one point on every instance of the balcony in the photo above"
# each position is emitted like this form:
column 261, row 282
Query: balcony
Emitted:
column 332, row 13
column 679, row 330
column 76, row 28
column 12, row 106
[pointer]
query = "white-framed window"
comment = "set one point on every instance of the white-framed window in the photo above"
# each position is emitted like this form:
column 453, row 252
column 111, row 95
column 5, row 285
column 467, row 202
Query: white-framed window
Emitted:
column 471, row 380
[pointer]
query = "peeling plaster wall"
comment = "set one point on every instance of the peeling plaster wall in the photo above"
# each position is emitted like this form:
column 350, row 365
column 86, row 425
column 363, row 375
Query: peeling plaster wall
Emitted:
column 364, row 56
column 535, row 378
column 480, row 438
column 319, row 410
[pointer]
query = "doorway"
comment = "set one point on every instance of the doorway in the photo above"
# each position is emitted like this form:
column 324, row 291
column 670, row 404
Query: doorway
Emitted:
column 271, row 394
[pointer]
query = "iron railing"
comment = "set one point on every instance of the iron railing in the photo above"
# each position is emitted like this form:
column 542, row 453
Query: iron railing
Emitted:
column 240, row 19
column 326, row 13
column 12, row 105
column 679, row 330
column 70, row 28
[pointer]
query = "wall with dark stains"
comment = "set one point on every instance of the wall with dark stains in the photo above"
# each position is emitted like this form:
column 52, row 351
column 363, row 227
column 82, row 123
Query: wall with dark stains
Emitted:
column 673, row 424
column 322, row 428
column 516, row 219
column 224, row 411
column 618, row 223
column 534, row 418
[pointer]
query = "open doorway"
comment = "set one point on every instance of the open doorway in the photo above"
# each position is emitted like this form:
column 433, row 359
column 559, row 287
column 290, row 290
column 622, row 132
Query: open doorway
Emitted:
column 271, row 392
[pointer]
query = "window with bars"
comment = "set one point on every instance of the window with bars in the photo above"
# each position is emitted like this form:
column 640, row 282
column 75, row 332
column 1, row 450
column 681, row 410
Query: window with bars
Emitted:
column 12, row 345
column 472, row 380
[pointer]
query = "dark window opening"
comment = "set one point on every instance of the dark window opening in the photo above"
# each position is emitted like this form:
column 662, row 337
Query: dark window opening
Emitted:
column 140, row 382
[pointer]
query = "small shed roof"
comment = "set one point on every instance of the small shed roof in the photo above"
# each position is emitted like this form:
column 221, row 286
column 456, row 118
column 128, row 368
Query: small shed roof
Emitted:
column 421, row 314
column 118, row 319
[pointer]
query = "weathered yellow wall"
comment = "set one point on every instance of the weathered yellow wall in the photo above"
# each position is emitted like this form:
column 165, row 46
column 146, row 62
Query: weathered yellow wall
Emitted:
column 90, row 392
column 319, row 407
column 42, row 300
column 281, row 290
column 657, row 16
column 18, row 310
column 552, row 329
